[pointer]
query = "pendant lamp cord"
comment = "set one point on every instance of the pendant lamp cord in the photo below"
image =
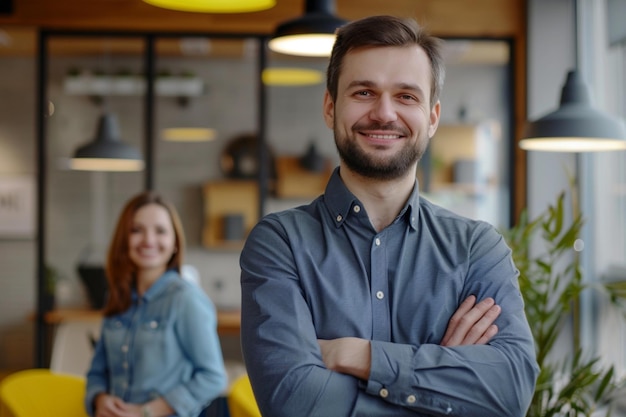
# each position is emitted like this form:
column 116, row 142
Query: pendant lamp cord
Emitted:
column 575, row 29
column 107, row 74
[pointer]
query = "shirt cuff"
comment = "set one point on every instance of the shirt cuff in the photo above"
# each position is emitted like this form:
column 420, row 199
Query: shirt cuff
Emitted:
column 391, row 374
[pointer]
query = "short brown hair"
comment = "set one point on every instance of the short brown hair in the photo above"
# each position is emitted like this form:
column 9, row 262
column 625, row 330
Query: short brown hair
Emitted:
column 120, row 270
column 377, row 31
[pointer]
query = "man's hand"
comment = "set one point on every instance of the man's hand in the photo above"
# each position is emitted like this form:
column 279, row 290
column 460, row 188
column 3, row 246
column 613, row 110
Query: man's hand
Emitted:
column 472, row 323
column 348, row 355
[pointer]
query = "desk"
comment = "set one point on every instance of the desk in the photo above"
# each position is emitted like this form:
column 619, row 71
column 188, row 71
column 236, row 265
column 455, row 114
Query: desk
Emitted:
column 228, row 321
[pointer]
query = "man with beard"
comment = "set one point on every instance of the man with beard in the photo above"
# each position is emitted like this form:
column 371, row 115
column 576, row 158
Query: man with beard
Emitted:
column 372, row 301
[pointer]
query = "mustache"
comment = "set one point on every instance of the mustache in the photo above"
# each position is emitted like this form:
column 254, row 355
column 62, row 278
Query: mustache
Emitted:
column 378, row 126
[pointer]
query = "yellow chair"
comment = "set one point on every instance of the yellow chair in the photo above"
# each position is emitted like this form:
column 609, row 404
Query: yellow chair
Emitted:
column 41, row 393
column 241, row 401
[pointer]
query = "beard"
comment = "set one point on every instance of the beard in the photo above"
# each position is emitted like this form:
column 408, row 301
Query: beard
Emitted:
column 373, row 166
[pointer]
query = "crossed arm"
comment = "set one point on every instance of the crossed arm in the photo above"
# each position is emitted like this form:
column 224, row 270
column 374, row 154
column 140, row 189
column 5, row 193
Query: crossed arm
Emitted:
column 471, row 324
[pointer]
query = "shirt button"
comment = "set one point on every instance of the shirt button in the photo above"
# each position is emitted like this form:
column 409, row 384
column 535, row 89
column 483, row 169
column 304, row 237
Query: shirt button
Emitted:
column 153, row 324
column 356, row 209
column 410, row 399
column 125, row 348
column 383, row 392
column 125, row 365
column 380, row 295
column 377, row 242
column 339, row 218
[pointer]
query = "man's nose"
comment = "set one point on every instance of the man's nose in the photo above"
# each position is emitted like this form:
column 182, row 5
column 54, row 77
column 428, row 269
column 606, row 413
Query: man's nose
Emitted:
column 384, row 110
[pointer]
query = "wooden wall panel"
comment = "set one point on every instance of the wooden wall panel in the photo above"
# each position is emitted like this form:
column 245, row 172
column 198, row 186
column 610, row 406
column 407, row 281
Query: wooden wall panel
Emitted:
column 443, row 17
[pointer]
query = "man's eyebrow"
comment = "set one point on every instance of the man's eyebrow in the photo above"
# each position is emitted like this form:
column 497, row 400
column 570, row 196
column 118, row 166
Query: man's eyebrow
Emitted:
column 361, row 83
column 401, row 86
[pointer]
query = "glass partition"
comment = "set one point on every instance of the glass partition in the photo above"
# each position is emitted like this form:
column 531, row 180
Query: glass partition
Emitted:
column 88, row 78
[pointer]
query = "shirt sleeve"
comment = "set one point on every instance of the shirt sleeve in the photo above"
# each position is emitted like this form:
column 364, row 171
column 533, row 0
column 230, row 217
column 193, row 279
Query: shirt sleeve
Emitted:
column 476, row 380
column 97, row 375
column 289, row 377
column 196, row 329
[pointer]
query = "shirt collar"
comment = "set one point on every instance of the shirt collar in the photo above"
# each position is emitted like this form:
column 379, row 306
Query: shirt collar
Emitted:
column 340, row 201
column 159, row 286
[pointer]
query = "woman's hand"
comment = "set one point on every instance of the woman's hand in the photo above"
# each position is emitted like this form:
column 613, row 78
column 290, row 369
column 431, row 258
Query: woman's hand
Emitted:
column 110, row 406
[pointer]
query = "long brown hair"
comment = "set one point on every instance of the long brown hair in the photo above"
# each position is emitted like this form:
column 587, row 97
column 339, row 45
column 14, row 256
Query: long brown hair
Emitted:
column 120, row 270
column 375, row 31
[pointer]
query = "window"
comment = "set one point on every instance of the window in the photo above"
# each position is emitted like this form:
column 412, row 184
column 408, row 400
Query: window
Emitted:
column 604, row 196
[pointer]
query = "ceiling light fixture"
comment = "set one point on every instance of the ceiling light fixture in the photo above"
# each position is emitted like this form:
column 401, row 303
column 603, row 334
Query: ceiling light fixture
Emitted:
column 214, row 6
column 189, row 134
column 576, row 126
column 107, row 152
column 286, row 76
column 312, row 34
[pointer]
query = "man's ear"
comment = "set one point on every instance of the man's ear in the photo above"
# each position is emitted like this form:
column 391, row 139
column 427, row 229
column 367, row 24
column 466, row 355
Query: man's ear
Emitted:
column 329, row 110
column 435, row 113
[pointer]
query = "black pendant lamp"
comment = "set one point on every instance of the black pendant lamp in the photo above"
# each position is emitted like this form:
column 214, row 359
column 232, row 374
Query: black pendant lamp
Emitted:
column 312, row 34
column 576, row 126
column 107, row 152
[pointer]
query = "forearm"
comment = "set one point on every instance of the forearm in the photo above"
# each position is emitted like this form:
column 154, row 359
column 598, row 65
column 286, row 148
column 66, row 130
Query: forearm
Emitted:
column 486, row 381
column 347, row 355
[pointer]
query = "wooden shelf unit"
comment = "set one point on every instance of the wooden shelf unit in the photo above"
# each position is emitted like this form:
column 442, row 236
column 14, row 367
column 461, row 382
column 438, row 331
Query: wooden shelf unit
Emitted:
column 228, row 197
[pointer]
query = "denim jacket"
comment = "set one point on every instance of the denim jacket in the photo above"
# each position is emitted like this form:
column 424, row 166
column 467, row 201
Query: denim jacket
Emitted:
column 165, row 345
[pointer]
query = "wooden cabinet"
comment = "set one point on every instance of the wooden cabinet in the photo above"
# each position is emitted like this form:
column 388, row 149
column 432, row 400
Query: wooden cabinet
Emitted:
column 229, row 201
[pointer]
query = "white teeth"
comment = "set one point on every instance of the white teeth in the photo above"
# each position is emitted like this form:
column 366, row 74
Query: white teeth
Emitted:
column 384, row 136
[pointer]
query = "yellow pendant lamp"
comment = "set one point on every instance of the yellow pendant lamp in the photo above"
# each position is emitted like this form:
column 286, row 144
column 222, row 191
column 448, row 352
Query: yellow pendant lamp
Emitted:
column 214, row 6
column 288, row 76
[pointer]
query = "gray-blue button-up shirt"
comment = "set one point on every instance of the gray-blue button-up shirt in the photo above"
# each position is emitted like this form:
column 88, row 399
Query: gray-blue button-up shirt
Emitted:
column 322, row 271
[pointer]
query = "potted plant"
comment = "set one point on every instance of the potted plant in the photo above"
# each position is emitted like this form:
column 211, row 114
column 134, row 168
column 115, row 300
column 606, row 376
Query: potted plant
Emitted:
column 575, row 384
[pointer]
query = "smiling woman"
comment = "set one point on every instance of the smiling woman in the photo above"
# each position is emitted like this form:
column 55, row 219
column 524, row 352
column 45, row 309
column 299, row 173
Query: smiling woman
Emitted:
column 153, row 316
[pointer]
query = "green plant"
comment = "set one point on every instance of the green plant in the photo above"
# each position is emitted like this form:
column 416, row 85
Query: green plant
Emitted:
column 52, row 276
column 551, row 283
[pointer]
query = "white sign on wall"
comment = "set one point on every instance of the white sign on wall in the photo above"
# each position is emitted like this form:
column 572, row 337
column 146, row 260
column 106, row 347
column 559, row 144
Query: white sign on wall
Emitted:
column 17, row 207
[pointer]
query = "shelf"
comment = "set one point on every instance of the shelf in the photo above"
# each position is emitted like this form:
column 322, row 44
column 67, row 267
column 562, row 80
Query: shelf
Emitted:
column 228, row 321
column 131, row 85
column 293, row 181
column 224, row 200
